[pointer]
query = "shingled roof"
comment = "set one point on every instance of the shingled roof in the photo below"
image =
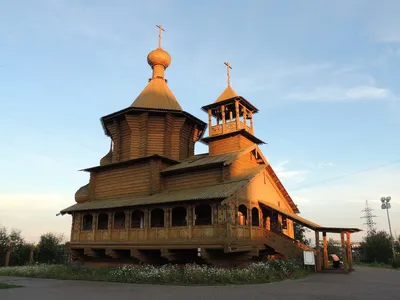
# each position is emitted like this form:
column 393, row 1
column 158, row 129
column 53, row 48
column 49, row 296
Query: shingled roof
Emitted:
column 216, row 191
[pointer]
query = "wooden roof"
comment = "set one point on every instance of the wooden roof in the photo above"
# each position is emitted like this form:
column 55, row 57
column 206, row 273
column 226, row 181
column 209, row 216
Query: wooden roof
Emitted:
column 217, row 191
column 307, row 223
column 157, row 95
column 228, row 93
column 205, row 160
column 244, row 132
column 130, row 162
column 246, row 103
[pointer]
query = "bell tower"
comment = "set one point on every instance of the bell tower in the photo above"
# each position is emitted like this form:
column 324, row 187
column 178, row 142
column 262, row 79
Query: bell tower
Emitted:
column 230, row 122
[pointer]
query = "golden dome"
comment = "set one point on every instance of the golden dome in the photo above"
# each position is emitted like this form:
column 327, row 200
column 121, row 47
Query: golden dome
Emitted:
column 159, row 57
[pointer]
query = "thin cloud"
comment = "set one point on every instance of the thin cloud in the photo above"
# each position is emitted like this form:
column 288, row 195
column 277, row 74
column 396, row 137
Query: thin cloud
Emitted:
column 335, row 93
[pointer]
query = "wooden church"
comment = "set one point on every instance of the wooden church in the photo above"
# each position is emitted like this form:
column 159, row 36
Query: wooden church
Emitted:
column 152, row 200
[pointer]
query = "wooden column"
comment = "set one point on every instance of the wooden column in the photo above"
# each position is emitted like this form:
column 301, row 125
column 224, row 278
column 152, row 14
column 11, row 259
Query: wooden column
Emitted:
column 8, row 257
column 223, row 118
column 244, row 117
column 209, row 121
column 189, row 220
column 325, row 250
column 349, row 252
column 317, row 248
column 31, row 252
column 237, row 114
column 251, row 122
column 344, row 254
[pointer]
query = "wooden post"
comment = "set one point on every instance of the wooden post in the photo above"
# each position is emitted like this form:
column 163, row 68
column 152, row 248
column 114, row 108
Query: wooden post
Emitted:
column 237, row 114
column 209, row 121
column 317, row 248
column 349, row 252
column 8, row 257
column 244, row 117
column 344, row 254
column 325, row 250
column 251, row 122
column 223, row 118
column 31, row 251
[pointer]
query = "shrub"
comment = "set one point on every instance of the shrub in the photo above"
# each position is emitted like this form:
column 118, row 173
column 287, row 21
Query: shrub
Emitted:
column 167, row 274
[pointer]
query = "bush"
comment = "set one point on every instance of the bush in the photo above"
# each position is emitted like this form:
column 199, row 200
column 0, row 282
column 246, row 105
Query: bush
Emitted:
column 168, row 274
column 377, row 248
column 51, row 249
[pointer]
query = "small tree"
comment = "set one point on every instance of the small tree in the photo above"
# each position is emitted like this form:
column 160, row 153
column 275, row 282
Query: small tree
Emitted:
column 299, row 233
column 376, row 247
column 51, row 249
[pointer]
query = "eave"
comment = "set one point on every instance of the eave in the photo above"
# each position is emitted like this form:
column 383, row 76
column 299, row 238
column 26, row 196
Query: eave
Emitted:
column 250, row 106
column 202, row 125
column 130, row 162
column 248, row 135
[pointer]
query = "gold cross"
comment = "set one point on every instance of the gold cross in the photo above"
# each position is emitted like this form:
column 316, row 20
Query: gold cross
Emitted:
column 160, row 34
column 228, row 67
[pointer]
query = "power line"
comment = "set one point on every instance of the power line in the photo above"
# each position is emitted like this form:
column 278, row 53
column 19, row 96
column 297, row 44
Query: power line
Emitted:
column 346, row 175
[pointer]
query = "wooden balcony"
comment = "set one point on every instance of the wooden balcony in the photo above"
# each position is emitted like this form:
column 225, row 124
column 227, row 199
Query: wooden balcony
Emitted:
column 229, row 127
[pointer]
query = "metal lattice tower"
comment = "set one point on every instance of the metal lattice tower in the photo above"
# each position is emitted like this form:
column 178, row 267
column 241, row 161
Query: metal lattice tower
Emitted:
column 369, row 217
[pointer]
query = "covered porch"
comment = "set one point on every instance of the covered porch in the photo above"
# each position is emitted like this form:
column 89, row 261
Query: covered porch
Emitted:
column 322, row 257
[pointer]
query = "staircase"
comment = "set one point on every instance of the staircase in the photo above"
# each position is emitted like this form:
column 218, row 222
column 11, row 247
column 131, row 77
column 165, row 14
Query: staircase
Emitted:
column 285, row 245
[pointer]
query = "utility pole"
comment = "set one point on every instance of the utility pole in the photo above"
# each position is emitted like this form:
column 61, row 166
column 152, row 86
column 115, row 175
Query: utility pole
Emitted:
column 386, row 205
column 369, row 218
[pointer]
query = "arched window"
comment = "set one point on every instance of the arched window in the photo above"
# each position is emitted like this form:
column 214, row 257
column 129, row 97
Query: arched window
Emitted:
column 137, row 219
column 255, row 217
column 119, row 220
column 242, row 214
column 179, row 216
column 203, row 214
column 102, row 222
column 87, row 223
column 157, row 217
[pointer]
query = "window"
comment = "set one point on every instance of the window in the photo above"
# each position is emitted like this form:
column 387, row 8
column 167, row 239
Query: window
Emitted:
column 87, row 223
column 102, row 222
column 242, row 214
column 157, row 217
column 179, row 216
column 255, row 217
column 119, row 220
column 203, row 215
column 284, row 222
column 137, row 219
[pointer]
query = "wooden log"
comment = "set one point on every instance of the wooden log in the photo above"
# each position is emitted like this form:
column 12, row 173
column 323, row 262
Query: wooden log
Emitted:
column 325, row 250
column 349, row 252
column 344, row 252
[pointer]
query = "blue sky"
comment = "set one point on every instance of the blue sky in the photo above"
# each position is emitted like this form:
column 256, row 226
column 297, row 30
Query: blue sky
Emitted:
column 324, row 75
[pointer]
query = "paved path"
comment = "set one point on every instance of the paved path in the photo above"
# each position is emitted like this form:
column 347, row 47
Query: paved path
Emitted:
column 365, row 283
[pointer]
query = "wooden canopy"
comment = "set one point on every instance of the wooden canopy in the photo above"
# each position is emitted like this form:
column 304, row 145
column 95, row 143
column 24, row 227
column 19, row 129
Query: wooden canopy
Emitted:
column 306, row 223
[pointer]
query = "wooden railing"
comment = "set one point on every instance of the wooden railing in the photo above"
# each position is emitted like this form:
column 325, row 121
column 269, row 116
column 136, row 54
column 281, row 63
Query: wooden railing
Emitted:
column 152, row 234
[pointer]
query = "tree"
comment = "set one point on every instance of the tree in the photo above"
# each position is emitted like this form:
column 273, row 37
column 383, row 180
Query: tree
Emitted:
column 51, row 249
column 376, row 247
column 299, row 233
column 333, row 248
column 20, row 249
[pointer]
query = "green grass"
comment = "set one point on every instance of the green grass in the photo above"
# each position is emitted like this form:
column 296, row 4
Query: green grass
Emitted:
column 376, row 265
column 7, row 286
column 261, row 272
